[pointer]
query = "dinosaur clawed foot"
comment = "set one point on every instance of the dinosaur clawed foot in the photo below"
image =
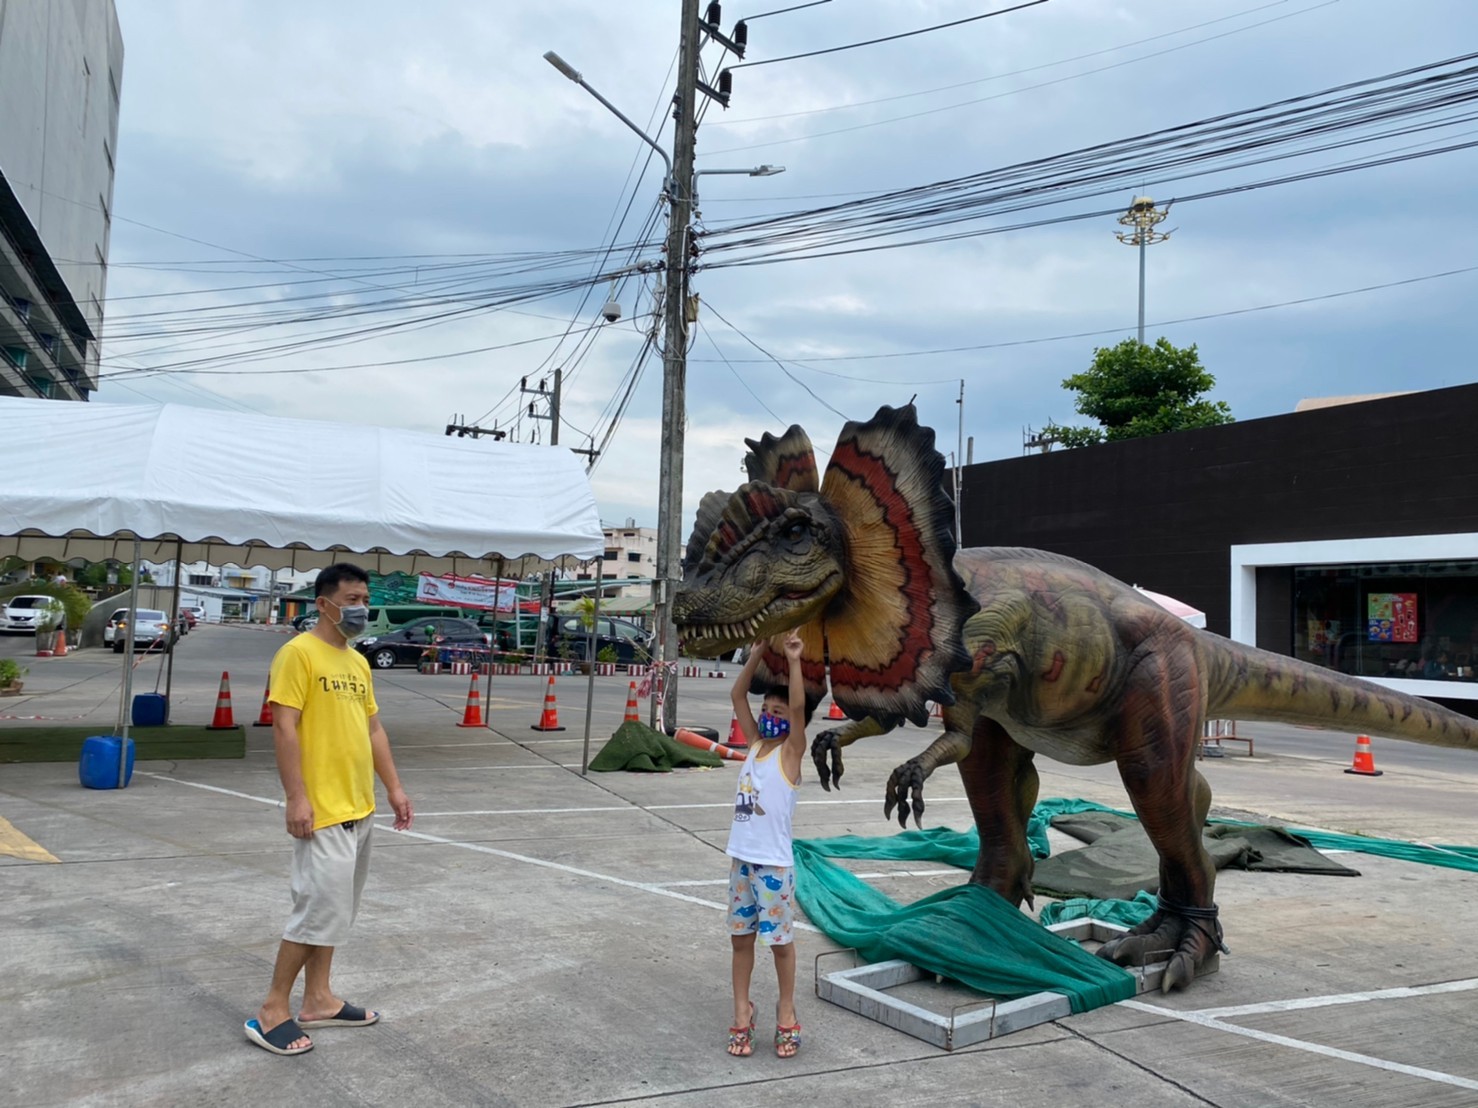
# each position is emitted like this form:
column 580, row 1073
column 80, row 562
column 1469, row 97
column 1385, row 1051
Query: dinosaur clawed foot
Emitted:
column 905, row 790
column 826, row 752
column 1164, row 937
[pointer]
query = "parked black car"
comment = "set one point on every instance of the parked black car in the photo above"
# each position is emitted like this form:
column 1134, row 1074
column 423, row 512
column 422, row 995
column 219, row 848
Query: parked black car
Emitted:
column 407, row 643
column 571, row 639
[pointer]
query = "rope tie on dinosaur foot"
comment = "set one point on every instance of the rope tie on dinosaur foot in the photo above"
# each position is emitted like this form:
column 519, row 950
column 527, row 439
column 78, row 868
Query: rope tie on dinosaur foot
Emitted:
column 1197, row 918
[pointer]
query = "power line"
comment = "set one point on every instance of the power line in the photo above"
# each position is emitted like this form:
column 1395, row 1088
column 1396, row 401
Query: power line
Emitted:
column 1045, row 65
column 892, row 38
column 777, row 362
column 807, row 362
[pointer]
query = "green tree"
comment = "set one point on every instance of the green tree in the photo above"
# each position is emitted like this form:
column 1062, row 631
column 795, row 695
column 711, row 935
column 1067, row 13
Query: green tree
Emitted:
column 1134, row 390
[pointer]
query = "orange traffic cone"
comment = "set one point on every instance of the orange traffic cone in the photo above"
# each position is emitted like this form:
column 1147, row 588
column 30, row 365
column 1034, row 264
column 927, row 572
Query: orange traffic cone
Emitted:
column 632, row 716
column 549, row 719
column 264, row 717
column 223, row 720
column 1364, row 759
column 698, row 742
column 61, row 645
column 472, row 715
column 836, row 711
column 736, row 733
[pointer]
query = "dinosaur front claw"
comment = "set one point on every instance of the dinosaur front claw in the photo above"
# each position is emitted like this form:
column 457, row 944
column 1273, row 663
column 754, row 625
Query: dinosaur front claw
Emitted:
column 905, row 790
column 824, row 744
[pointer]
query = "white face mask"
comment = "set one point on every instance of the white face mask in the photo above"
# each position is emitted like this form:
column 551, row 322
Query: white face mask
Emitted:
column 353, row 618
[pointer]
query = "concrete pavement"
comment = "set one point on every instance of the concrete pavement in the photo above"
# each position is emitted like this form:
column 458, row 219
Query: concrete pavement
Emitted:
column 540, row 938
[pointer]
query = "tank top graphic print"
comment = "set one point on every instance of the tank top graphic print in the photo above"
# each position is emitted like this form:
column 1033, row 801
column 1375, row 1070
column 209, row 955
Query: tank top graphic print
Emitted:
column 764, row 808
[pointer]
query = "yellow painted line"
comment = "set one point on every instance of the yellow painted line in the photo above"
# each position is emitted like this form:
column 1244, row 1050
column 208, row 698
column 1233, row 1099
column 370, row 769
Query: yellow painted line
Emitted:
column 12, row 842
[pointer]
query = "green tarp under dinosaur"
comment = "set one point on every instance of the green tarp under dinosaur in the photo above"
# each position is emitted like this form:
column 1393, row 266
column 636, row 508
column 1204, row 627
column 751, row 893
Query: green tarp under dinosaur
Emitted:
column 1030, row 653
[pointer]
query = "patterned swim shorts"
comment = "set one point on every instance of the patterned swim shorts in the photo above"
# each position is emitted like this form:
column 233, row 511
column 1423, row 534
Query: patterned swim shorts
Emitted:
column 762, row 899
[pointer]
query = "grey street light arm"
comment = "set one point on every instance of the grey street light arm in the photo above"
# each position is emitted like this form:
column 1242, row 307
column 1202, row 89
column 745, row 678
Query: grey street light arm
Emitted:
column 574, row 74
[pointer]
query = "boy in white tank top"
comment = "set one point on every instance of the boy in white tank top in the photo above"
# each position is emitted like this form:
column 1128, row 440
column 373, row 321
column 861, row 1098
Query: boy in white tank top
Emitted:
column 761, row 876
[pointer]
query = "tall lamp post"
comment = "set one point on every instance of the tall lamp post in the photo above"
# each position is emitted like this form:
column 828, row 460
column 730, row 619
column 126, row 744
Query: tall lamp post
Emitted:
column 680, row 188
column 1143, row 217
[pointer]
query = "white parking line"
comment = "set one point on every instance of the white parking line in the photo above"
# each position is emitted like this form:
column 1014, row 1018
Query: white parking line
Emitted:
column 637, row 808
column 1214, row 1024
column 1200, row 1019
column 864, row 876
column 495, row 852
column 1298, row 1003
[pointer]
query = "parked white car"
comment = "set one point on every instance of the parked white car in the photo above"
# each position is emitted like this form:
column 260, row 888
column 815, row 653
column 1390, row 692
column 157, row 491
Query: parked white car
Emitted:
column 21, row 613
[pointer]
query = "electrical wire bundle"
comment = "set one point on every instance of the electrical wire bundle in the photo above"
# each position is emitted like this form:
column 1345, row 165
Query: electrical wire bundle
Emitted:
column 1427, row 100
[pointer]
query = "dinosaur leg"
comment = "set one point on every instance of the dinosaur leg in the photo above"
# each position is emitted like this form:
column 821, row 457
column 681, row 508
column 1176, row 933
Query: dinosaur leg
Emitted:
column 826, row 748
column 1001, row 782
column 905, row 787
column 1172, row 800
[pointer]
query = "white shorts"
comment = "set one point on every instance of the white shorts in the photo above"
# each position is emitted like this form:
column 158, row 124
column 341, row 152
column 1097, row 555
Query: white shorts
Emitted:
column 329, row 869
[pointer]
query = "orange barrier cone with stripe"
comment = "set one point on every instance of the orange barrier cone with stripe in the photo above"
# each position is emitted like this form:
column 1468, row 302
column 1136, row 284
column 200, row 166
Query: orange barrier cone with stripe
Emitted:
column 264, row 717
column 1364, row 759
column 61, row 645
column 736, row 733
column 698, row 742
column 632, row 715
column 938, row 710
column 223, row 720
column 472, row 714
column 549, row 718
column 836, row 711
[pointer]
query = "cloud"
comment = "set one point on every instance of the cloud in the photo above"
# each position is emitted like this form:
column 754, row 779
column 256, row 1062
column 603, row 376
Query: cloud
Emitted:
column 375, row 131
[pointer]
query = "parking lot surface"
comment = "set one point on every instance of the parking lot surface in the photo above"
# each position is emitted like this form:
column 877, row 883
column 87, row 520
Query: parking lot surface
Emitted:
column 546, row 938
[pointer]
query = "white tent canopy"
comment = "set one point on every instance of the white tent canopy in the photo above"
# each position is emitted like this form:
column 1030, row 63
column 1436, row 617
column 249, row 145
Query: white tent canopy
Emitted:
column 83, row 480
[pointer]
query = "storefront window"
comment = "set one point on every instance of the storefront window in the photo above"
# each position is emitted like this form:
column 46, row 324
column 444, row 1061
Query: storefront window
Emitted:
column 1414, row 619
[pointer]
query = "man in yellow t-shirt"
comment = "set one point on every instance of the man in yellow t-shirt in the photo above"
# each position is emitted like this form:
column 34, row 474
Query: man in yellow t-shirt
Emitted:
column 330, row 744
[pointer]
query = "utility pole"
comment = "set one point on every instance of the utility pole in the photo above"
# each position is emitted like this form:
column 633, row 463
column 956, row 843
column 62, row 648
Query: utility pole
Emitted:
column 675, row 358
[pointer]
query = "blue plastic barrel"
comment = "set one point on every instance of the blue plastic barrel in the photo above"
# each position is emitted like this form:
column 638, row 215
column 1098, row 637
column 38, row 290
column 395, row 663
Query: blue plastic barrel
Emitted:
column 150, row 709
column 98, row 768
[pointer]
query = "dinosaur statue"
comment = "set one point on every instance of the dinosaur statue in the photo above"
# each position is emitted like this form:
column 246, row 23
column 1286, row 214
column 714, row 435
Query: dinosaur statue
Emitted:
column 1029, row 652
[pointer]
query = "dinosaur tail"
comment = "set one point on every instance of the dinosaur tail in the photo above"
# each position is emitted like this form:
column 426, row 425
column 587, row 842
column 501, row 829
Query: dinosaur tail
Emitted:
column 1251, row 684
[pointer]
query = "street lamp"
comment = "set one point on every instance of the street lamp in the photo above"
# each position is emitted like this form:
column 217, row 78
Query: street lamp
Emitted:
column 574, row 74
column 1144, row 217
column 757, row 171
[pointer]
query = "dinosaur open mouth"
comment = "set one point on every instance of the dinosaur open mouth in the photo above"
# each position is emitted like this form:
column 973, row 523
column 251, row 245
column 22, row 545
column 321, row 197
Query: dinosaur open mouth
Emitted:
column 710, row 638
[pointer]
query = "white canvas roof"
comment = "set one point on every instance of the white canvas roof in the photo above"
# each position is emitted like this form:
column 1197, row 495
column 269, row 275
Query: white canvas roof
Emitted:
column 82, row 480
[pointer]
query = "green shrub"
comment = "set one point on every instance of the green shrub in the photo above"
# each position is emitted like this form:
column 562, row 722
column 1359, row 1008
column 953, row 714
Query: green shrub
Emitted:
column 11, row 670
column 606, row 654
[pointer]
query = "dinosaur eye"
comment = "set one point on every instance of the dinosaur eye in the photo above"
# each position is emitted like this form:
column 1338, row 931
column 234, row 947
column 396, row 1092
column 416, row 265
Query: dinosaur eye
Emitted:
column 796, row 530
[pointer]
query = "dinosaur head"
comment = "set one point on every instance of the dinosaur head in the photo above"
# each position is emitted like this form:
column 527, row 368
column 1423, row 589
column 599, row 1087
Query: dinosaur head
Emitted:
column 761, row 560
column 860, row 564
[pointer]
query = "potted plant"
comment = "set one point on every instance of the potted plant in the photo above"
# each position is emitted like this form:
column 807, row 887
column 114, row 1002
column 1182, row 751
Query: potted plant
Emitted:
column 51, row 622
column 11, row 673
column 606, row 654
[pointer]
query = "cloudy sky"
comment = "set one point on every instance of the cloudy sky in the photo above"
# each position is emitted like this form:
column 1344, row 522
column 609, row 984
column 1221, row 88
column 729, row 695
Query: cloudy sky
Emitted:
column 324, row 207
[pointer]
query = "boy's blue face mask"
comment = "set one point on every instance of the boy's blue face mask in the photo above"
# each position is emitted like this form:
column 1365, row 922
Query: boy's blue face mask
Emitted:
column 773, row 728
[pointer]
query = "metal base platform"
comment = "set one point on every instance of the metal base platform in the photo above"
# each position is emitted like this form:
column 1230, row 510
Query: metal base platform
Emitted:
column 863, row 989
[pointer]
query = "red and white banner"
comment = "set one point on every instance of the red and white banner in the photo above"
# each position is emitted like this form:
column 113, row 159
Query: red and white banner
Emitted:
column 485, row 593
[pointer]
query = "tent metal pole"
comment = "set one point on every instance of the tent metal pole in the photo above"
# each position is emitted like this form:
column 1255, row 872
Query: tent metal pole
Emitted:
column 128, row 643
column 174, row 606
column 487, row 706
column 600, row 565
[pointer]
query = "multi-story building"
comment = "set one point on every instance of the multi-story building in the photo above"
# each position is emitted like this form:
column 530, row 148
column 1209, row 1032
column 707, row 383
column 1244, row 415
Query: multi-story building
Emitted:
column 61, row 73
column 631, row 552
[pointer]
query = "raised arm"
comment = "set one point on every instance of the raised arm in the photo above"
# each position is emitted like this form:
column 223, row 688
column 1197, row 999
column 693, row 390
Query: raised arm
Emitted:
column 739, row 695
column 794, row 750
